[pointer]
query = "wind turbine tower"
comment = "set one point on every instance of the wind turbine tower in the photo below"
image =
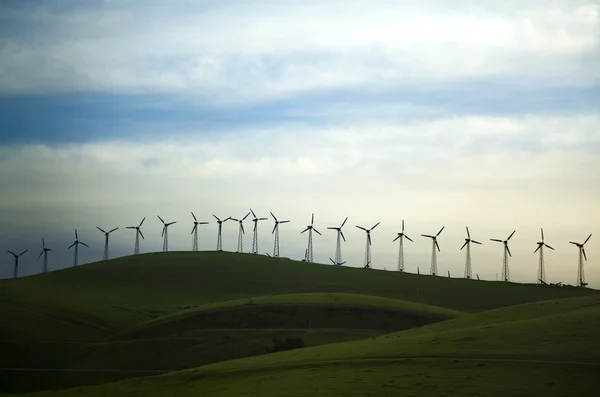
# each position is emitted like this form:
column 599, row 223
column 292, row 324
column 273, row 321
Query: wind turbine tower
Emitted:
column 106, row 241
column 76, row 244
column 338, row 247
column 505, row 270
column 165, row 233
column 580, row 273
column 195, row 232
column 276, row 231
column 401, row 237
column 541, row 269
column 367, row 264
column 308, row 254
column 219, row 240
column 240, row 247
column 468, row 241
column 255, row 235
column 45, row 253
column 433, row 270
column 138, row 233
column 16, row 268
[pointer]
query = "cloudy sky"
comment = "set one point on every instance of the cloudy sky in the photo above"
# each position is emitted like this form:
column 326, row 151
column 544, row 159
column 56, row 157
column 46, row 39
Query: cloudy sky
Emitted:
column 442, row 113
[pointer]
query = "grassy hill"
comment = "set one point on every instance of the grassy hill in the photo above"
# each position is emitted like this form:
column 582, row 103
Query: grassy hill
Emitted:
column 168, row 311
column 546, row 349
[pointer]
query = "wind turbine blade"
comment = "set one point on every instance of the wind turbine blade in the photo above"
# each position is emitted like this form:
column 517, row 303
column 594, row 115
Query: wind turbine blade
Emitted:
column 342, row 234
column 332, row 261
column 76, row 237
column 203, row 223
column 468, row 234
column 43, row 243
column 100, row 229
column 437, row 245
column 426, row 235
column 263, row 219
column 228, row 218
column 549, row 247
column 396, row 238
column 273, row 216
column 542, row 229
column 216, row 217
column 23, row 252
column 312, row 219
column 333, row 228
column 131, row 227
column 508, row 250
column 116, row 228
column 317, row 231
column 244, row 218
column 161, row 219
column 141, row 234
column 305, row 230
column 495, row 239
column 375, row 225
column 536, row 250
column 343, row 223
column 194, row 228
column 409, row 239
column 369, row 238
column 284, row 222
column 274, row 227
column 362, row 228
column 242, row 226
column 583, row 250
column 11, row 253
column 586, row 240
column 234, row 219
column 466, row 242
column 342, row 263
column 511, row 235
column 71, row 246
column 172, row 223
column 163, row 231
column 476, row 242
column 84, row 244
column 195, row 220
column 402, row 225
column 253, row 214
column 572, row 242
column 142, row 222
column 440, row 231
column 41, row 253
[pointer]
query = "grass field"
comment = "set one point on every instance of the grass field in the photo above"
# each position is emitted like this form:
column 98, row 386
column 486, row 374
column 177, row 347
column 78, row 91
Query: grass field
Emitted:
column 218, row 313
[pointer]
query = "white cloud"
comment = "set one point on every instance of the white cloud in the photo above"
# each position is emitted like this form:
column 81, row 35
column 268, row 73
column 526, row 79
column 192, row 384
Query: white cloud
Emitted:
column 426, row 172
column 245, row 51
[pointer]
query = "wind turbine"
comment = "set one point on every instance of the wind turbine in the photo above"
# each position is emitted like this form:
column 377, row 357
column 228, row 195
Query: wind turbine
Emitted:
column 240, row 247
column 276, row 231
column 580, row 273
column 165, row 233
column 541, row 269
column 76, row 244
column 401, row 237
column 468, row 241
column 255, row 235
column 220, row 223
column 368, row 245
column 45, row 253
column 106, row 240
column 16, row 269
column 435, row 245
column 195, row 232
column 338, row 247
column 505, row 271
column 138, row 233
column 308, row 254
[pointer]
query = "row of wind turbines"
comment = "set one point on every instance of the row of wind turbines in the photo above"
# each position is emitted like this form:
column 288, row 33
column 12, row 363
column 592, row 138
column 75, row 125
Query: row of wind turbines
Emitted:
column 308, row 256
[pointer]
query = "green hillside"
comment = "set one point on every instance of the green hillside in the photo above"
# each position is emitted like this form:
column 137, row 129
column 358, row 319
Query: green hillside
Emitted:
column 545, row 349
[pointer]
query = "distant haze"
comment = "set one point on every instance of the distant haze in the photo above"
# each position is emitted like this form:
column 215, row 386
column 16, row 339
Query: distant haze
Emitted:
column 439, row 113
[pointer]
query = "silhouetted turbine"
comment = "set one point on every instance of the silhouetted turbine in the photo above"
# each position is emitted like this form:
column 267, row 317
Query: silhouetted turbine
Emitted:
column 505, row 270
column 401, row 237
column 276, row 231
column 367, row 263
column 433, row 269
column 195, row 232
column 165, row 233
column 308, row 254
column 138, row 233
column 106, row 240
column 255, row 233
column 16, row 268
column 240, row 247
column 541, row 268
column 580, row 271
column 76, row 244
column 468, row 241
column 45, row 253
column 220, row 225
column 338, row 246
